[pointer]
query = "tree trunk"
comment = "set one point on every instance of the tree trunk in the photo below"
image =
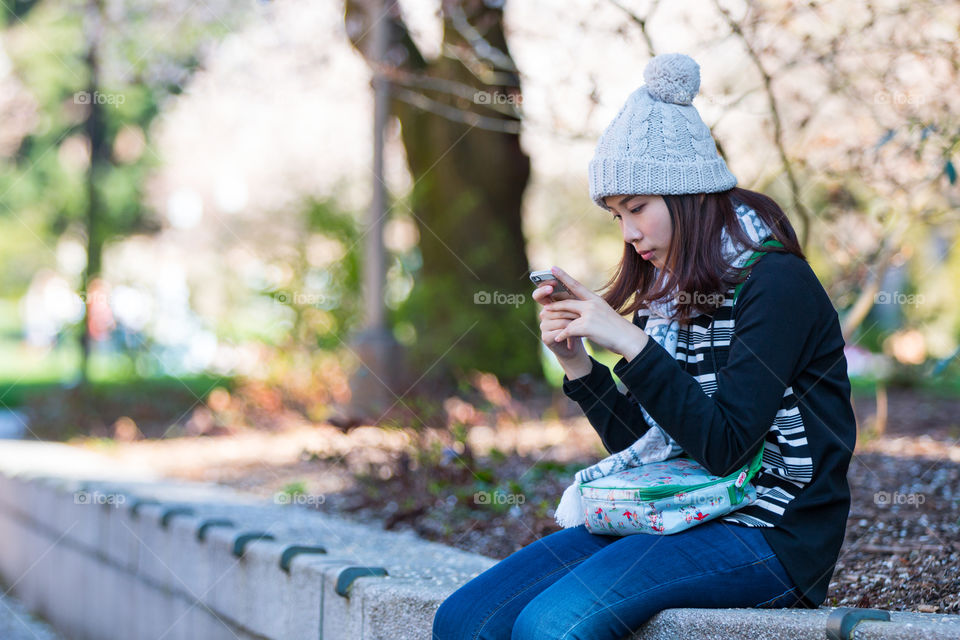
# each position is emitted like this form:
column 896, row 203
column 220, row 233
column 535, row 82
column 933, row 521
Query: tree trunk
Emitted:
column 94, row 128
column 459, row 126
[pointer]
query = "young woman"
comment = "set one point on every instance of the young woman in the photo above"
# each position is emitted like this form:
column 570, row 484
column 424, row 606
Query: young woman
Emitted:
column 721, row 380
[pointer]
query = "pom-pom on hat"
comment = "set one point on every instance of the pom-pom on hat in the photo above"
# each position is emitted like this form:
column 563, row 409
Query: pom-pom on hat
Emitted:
column 657, row 143
column 673, row 77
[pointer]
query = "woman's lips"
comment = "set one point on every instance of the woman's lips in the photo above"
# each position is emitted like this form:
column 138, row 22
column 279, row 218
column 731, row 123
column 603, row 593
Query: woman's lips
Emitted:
column 647, row 255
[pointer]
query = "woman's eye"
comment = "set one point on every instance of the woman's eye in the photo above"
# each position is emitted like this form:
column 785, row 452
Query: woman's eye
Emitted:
column 616, row 215
column 637, row 210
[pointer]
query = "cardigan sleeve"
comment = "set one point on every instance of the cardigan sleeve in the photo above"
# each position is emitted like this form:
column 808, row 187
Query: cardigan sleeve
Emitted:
column 614, row 416
column 775, row 333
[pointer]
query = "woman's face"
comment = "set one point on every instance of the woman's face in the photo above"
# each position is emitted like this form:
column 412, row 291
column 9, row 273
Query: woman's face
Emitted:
column 645, row 223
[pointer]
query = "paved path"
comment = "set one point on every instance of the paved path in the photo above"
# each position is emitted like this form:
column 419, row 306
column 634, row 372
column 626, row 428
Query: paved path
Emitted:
column 17, row 624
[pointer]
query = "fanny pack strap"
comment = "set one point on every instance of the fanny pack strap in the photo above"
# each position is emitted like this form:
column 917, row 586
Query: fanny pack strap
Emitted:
column 747, row 474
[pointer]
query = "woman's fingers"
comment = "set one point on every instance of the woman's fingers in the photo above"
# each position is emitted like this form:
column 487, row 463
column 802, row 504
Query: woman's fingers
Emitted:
column 548, row 337
column 542, row 293
column 572, row 305
column 553, row 324
column 545, row 295
column 572, row 330
column 547, row 314
column 577, row 289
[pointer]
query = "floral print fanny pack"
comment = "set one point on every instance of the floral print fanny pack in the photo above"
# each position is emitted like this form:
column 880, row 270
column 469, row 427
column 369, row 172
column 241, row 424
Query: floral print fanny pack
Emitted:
column 664, row 497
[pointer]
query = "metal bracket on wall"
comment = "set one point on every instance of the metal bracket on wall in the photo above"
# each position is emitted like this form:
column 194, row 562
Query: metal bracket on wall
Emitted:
column 841, row 622
column 242, row 540
column 294, row 550
column 139, row 502
column 348, row 575
column 212, row 522
column 174, row 511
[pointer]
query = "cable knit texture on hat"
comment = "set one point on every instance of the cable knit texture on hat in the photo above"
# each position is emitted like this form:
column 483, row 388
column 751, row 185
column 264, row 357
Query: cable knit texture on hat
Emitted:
column 657, row 143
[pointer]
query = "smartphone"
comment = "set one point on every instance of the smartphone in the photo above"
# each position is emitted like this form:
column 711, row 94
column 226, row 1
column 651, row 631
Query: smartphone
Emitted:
column 545, row 276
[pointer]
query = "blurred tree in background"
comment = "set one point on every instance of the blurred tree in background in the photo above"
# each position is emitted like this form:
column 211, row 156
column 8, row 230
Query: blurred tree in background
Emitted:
column 98, row 73
column 459, row 116
column 210, row 163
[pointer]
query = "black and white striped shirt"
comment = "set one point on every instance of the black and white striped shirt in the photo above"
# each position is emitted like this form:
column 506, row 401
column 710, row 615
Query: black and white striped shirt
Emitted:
column 781, row 380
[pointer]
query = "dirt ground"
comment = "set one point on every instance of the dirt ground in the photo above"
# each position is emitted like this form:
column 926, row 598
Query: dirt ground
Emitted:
column 496, row 491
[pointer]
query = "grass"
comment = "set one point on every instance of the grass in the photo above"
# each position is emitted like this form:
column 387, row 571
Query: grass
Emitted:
column 31, row 372
column 946, row 385
column 21, row 379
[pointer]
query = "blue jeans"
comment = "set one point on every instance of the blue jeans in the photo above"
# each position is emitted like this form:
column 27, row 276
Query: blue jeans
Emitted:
column 574, row 584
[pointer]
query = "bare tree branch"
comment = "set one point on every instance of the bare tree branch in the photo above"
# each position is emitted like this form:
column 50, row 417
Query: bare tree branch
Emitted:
column 798, row 205
column 500, row 125
column 641, row 22
column 478, row 44
column 400, row 77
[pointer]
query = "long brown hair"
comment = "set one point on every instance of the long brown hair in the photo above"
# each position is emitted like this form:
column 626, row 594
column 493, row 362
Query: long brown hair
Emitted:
column 695, row 263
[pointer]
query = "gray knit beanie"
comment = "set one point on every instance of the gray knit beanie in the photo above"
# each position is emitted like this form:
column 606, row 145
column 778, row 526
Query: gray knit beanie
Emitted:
column 657, row 143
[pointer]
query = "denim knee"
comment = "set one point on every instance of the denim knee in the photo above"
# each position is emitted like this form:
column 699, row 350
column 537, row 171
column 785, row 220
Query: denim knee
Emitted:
column 539, row 622
column 461, row 615
column 532, row 625
column 448, row 622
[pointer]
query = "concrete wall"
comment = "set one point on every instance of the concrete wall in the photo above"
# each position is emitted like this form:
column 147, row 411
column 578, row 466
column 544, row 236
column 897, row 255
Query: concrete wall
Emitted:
column 86, row 556
column 121, row 558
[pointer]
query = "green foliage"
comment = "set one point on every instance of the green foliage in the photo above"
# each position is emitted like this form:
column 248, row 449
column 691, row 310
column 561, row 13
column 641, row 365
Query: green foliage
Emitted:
column 294, row 489
column 15, row 10
column 158, row 406
column 140, row 58
column 497, row 456
column 323, row 296
column 551, row 468
column 341, row 280
column 463, row 332
column 871, row 334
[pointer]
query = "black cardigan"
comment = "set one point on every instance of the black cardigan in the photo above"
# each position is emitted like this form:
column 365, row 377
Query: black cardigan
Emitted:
column 782, row 380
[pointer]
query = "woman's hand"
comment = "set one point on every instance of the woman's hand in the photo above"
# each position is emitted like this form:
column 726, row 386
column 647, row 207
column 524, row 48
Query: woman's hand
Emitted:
column 552, row 323
column 595, row 319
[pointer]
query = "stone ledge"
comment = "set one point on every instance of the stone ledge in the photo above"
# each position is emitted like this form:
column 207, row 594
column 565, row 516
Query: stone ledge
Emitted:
column 136, row 567
column 798, row 624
